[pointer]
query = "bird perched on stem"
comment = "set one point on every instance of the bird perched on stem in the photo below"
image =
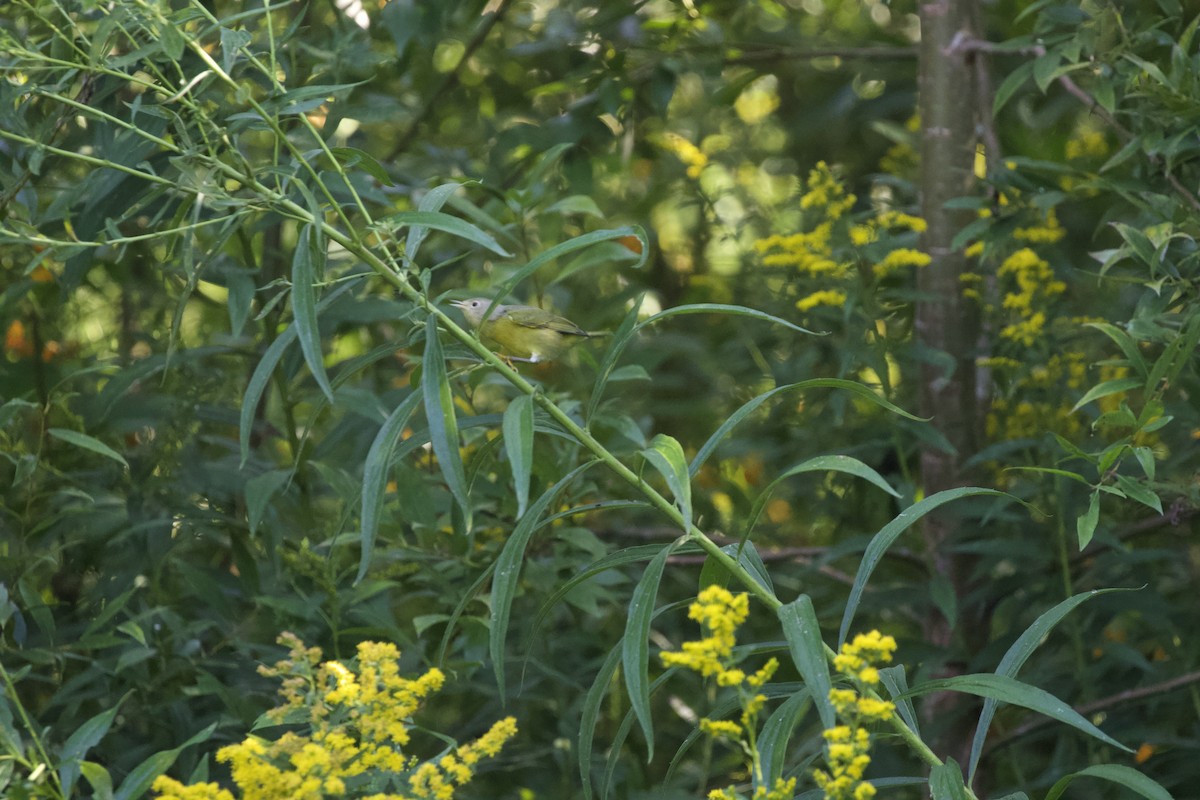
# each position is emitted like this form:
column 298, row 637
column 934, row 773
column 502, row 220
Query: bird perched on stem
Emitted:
column 523, row 333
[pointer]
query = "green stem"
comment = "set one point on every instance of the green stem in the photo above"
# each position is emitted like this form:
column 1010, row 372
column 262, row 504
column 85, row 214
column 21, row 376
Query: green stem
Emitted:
column 11, row 690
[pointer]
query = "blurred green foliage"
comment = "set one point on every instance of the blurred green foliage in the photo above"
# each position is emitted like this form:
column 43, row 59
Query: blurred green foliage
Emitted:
column 169, row 506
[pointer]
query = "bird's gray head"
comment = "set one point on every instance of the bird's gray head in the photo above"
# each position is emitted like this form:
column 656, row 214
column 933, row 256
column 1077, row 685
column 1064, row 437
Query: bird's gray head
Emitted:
column 474, row 309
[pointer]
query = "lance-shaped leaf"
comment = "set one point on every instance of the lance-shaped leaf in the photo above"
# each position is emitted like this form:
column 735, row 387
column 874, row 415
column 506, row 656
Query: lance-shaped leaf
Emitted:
column 439, row 221
column 443, row 422
column 1016, row 656
column 508, row 571
column 1119, row 774
column 635, row 652
column 87, row 443
column 803, row 635
column 888, row 534
column 751, row 405
column 1004, row 689
column 304, row 306
column 665, row 454
column 375, row 472
column 518, row 444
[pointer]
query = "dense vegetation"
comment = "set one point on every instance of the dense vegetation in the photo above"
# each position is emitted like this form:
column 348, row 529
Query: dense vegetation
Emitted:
column 915, row 362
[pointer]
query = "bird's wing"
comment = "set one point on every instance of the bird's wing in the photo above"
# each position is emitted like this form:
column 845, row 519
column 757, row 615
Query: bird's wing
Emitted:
column 530, row 317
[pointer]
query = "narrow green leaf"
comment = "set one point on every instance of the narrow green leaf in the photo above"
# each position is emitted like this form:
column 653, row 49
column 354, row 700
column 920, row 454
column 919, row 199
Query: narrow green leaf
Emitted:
column 508, row 571
column 375, row 472
column 620, row 339
column 352, row 156
column 1119, row 774
column 443, row 421
column 1004, row 689
column 1062, row 473
column 433, row 200
column 665, row 454
column 630, row 555
column 846, row 464
column 723, row 308
column 259, row 491
column 1015, row 80
column 1016, row 656
column 97, row 777
column 518, row 444
column 573, row 244
column 257, row 385
column 946, row 782
column 87, row 443
column 1145, row 458
column 87, row 736
column 1085, row 526
column 751, row 405
column 467, row 598
column 747, row 556
column 440, row 221
column 635, row 650
column 1174, row 357
column 1124, row 341
column 576, row 204
column 1136, row 490
column 895, row 680
column 1107, row 388
column 1149, row 69
column 803, row 634
column 590, row 715
column 138, row 781
column 304, row 307
column 231, row 42
column 777, row 732
column 239, row 299
column 1044, row 69
column 889, row 533
column 616, row 749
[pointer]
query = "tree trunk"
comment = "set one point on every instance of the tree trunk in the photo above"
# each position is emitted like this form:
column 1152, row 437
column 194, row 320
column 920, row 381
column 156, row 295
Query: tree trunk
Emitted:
column 946, row 323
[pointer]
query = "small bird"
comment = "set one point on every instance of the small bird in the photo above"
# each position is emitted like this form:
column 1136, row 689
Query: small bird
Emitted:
column 523, row 333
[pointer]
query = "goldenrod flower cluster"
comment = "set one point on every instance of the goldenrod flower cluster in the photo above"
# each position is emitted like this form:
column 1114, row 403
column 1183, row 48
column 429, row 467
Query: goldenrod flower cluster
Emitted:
column 782, row 790
column 848, row 757
column 848, row 745
column 358, row 723
column 826, row 249
column 898, row 260
column 826, row 192
column 1048, row 232
column 1039, row 397
column 825, row 297
column 685, row 151
column 810, row 253
column 721, row 612
column 1031, row 287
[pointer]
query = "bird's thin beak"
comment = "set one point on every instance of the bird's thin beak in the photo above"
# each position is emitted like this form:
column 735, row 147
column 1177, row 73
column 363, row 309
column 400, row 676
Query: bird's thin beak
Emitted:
column 459, row 303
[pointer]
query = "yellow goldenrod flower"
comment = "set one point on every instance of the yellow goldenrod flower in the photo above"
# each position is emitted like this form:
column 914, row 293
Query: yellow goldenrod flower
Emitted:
column 897, row 219
column 721, row 727
column 898, row 259
column 685, row 151
column 825, row 297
